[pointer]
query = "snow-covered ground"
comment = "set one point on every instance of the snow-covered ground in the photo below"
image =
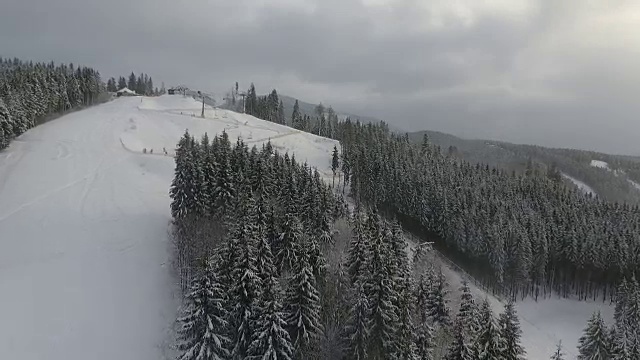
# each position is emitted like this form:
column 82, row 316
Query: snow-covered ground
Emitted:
column 634, row 184
column 543, row 323
column 84, row 220
column 600, row 164
column 582, row 186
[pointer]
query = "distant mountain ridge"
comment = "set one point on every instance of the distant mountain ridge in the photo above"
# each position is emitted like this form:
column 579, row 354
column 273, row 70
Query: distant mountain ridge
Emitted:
column 616, row 182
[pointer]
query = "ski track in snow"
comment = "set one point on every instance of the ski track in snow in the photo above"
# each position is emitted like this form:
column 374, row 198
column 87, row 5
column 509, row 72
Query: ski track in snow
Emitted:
column 581, row 185
column 84, row 226
column 634, row 184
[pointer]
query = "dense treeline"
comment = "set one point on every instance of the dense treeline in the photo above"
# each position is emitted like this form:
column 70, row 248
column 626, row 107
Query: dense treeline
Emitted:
column 268, row 107
column 142, row 84
column 610, row 184
column 30, row 92
column 324, row 121
column 271, row 279
column 212, row 175
column 250, row 225
column 519, row 234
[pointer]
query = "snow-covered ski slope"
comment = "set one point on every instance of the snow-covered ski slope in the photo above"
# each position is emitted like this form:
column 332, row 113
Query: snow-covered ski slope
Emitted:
column 84, row 216
column 581, row 185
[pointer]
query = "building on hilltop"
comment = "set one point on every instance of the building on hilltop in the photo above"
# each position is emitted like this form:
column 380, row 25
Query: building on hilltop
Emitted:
column 125, row 92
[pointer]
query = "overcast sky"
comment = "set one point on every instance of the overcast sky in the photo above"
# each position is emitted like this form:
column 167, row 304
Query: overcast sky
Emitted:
column 557, row 73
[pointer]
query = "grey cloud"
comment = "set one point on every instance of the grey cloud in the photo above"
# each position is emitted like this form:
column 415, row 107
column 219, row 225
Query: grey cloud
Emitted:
column 495, row 76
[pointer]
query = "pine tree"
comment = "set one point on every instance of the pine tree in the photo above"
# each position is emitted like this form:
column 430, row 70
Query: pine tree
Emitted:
column 621, row 344
column 381, row 293
column 252, row 101
column 632, row 308
column 437, row 306
column 468, row 313
column 224, row 192
column 358, row 255
column 6, row 125
column 204, row 325
column 246, row 290
column 111, row 85
column 281, row 118
column 181, row 191
column 489, row 344
column 296, row 117
column 271, row 340
column 335, row 163
column 272, row 106
column 405, row 336
column 122, row 83
column 511, row 333
column 424, row 335
column 265, row 267
column 424, row 341
column 558, row 355
column 199, row 175
column 302, row 307
column 594, row 343
column 461, row 347
column 209, row 175
column 622, row 301
column 288, row 244
column 132, row 84
column 358, row 324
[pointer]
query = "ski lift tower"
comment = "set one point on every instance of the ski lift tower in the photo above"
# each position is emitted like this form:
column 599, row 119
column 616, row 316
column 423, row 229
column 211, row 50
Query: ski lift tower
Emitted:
column 205, row 96
column 202, row 96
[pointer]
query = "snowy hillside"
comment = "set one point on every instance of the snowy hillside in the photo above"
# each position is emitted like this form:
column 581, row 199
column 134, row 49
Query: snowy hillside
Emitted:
column 600, row 164
column 581, row 185
column 84, row 220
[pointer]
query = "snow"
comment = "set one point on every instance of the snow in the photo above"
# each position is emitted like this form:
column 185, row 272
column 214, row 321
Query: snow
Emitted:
column 84, row 219
column 582, row 186
column 182, row 113
column 126, row 91
column 600, row 164
column 634, row 184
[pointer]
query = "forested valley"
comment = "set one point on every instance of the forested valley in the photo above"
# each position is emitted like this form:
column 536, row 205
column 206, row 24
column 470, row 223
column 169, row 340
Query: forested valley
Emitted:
column 275, row 265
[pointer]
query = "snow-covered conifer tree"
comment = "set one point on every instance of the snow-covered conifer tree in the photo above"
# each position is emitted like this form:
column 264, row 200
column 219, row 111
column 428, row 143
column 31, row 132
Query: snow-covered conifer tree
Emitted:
column 437, row 302
column 358, row 324
column 204, row 326
column 511, row 333
column 271, row 339
column 181, row 190
column 558, row 354
column 594, row 344
column 489, row 343
column 302, row 306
